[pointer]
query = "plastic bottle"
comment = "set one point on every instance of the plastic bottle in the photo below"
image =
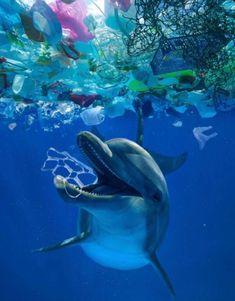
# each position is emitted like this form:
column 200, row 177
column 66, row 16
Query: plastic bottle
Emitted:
column 23, row 86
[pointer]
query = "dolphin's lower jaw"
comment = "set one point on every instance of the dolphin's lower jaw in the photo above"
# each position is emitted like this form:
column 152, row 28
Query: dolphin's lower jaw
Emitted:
column 74, row 192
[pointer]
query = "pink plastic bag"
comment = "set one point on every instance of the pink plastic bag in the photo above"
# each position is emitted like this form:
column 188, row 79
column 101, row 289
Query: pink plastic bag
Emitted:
column 71, row 17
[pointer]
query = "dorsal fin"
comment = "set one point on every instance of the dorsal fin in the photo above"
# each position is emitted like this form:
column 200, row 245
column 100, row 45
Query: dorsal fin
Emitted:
column 169, row 164
column 140, row 125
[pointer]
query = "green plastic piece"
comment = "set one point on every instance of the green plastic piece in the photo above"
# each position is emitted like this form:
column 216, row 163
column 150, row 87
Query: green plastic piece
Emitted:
column 137, row 85
column 178, row 74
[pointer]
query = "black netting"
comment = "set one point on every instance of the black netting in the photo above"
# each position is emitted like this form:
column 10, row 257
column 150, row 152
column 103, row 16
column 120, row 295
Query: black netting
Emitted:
column 185, row 34
column 156, row 18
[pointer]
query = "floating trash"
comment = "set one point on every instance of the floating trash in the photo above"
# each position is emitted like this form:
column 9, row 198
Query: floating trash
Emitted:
column 201, row 137
column 93, row 116
column 12, row 126
column 71, row 16
column 177, row 123
column 61, row 163
column 84, row 53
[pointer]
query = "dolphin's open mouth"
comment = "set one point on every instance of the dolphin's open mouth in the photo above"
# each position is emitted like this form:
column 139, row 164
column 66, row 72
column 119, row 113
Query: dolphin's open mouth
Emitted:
column 96, row 151
column 92, row 146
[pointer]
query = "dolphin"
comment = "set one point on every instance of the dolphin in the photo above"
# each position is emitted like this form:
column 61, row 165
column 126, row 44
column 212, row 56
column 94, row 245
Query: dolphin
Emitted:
column 124, row 215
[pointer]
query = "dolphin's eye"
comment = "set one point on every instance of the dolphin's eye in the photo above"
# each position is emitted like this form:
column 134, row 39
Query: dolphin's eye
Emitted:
column 157, row 197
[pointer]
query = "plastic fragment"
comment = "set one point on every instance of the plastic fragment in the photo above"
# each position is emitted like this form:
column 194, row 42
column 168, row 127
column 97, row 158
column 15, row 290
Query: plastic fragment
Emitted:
column 71, row 17
column 61, row 163
column 177, row 123
column 46, row 22
column 93, row 116
column 12, row 126
column 202, row 139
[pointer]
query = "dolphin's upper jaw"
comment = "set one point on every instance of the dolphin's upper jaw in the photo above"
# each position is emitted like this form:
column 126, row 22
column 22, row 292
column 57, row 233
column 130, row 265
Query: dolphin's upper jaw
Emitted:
column 96, row 151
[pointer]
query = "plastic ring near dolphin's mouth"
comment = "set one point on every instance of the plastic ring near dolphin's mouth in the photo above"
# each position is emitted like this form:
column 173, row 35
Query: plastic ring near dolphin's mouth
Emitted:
column 61, row 183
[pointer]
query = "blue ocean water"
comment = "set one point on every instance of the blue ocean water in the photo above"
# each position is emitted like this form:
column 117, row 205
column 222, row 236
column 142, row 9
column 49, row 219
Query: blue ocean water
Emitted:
column 198, row 251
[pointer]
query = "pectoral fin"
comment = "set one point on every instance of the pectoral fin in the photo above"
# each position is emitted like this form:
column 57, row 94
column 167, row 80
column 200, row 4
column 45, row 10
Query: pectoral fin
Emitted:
column 155, row 262
column 65, row 243
column 84, row 220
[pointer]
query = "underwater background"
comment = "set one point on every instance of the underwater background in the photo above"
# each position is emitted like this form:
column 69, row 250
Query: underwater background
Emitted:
column 107, row 66
column 198, row 251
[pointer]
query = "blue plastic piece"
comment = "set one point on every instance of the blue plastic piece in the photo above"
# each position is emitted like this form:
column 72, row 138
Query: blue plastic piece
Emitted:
column 170, row 55
column 46, row 21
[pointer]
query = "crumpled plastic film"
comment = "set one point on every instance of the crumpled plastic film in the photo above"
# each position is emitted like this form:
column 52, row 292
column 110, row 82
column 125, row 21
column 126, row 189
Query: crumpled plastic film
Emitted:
column 61, row 163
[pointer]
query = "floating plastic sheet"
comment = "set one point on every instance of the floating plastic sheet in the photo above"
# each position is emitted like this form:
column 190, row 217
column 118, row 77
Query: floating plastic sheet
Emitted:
column 71, row 17
column 46, row 21
column 202, row 138
column 93, row 116
column 32, row 33
column 61, row 163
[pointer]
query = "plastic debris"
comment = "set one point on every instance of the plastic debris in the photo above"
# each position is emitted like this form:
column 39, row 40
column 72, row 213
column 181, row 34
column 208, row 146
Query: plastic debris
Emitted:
column 61, row 163
column 118, row 106
column 84, row 100
column 145, row 102
column 123, row 5
column 22, row 85
column 46, row 22
column 12, row 126
column 177, row 123
column 93, row 116
column 71, row 16
column 60, row 57
column 68, row 48
column 202, row 139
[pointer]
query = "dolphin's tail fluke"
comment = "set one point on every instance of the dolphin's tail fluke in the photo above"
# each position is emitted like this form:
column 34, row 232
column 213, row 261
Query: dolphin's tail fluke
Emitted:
column 156, row 263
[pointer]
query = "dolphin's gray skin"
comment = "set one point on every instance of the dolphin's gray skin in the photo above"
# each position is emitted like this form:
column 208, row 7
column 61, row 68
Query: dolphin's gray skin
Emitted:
column 124, row 216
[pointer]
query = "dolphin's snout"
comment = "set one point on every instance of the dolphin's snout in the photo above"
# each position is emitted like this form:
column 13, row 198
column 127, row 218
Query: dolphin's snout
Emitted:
column 85, row 136
column 87, row 141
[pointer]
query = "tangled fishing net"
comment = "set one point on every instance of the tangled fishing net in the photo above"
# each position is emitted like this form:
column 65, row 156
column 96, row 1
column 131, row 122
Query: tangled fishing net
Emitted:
column 193, row 33
column 72, row 170
column 156, row 19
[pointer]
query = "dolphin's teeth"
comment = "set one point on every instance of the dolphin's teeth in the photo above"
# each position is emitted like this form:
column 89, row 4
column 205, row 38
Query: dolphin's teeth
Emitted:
column 90, row 193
